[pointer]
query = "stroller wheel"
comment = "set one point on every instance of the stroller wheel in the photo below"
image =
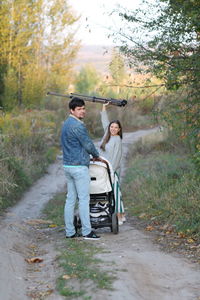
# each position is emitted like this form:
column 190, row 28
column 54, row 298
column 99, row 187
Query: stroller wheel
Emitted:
column 76, row 223
column 115, row 225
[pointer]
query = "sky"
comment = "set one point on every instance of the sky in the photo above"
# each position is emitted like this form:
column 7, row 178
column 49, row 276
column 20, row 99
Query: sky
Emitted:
column 94, row 20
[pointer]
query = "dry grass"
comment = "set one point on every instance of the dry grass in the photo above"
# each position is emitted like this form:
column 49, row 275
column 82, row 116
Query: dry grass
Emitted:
column 161, row 184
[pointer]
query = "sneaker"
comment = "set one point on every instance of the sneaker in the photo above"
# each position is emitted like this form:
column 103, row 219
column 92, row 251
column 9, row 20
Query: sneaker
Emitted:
column 73, row 236
column 91, row 236
column 120, row 222
column 123, row 219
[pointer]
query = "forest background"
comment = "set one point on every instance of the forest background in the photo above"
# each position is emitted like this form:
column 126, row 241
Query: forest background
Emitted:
column 157, row 71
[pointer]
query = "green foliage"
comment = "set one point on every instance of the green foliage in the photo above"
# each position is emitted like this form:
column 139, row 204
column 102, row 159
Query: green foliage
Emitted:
column 93, row 121
column 14, row 181
column 146, row 106
column 9, row 99
column 87, row 80
column 32, row 57
column 81, row 264
column 2, row 74
column 162, row 38
column 28, row 145
column 33, row 86
column 176, row 113
column 55, row 208
column 20, row 177
column 165, row 187
column 117, row 67
column 51, row 154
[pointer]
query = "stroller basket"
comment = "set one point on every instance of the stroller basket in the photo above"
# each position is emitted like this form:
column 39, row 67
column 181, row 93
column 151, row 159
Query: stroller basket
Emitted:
column 99, row 197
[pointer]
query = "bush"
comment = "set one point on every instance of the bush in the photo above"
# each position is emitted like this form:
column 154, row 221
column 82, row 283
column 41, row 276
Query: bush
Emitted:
column 28, row 144
column 164, row 185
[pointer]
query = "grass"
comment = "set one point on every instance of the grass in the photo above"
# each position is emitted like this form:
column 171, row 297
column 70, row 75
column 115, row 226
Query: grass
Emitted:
column 163, row 186
column 78, row 259
column 28, row 144
column 54, row 210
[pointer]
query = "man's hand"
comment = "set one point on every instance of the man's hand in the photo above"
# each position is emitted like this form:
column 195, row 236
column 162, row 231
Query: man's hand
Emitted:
column 97, row 159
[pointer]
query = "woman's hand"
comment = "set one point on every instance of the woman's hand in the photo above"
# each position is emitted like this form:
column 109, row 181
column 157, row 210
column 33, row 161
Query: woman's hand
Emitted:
column 105, row 106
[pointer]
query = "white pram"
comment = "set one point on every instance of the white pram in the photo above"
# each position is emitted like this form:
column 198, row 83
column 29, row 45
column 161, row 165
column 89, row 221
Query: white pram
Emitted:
column 102, row 201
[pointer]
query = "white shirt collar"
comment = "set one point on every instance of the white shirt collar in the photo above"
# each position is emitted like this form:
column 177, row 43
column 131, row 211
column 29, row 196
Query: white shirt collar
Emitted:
column 76, row 118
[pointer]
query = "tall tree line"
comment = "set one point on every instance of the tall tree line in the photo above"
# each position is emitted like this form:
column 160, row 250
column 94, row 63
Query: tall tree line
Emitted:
column 37, row 49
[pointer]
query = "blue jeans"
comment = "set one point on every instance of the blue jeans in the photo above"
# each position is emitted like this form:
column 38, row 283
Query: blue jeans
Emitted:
column 78, row 183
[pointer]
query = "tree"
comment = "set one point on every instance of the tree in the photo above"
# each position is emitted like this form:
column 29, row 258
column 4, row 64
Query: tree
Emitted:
column 36, row 47
column 87, row 80
column 164, row 39
column 117, row 68
column 18, row 20
column 60, row 47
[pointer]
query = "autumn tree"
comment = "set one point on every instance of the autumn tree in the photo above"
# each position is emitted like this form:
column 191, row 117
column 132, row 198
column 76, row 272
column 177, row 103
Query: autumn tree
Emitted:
column 61, row 49
column 37, row 49
column 18, row 25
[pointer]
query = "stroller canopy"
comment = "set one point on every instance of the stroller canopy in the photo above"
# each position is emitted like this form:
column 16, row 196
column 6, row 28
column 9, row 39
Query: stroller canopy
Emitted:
column 102, row 177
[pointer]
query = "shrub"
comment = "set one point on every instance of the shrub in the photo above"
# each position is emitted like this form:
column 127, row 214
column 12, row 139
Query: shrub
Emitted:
column 28, row 145
column 164, row 186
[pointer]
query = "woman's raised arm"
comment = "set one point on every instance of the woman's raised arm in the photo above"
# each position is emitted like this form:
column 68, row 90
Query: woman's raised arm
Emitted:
column 104, row 117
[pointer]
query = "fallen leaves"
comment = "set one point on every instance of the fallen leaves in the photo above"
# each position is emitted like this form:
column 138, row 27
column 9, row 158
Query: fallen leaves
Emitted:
column 190, row 241
column 181, row 235
column 185, row 243
column 40, row 295
column 38, row 221
column 52, row 225
column 72, row 264
column 32, row 246
column 34, row 260
column 66, row 277
column 143, row 216
column 149, row 228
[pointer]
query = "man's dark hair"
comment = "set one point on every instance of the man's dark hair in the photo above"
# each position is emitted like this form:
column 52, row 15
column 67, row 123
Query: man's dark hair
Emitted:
column 76, row 102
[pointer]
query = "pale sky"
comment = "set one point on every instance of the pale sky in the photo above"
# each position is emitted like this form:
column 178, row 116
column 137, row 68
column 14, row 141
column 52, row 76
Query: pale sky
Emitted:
column 94, row 20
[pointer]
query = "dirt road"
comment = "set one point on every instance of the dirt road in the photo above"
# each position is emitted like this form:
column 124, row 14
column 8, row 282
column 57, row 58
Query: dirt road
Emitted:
column 144, row 271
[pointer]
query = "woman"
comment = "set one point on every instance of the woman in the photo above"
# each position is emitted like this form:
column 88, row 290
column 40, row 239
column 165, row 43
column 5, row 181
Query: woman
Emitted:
column 111, row 149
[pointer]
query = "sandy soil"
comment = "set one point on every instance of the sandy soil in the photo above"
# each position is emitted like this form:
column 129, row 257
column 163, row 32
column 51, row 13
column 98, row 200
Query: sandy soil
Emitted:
column 143, row 271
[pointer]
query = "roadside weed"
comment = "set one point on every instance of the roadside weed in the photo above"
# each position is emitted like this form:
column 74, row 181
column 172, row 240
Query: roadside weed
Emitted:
column 55, row 209
column 164, row 186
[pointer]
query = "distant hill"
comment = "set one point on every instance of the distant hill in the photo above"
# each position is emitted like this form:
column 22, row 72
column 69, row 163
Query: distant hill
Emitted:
column 96, row 55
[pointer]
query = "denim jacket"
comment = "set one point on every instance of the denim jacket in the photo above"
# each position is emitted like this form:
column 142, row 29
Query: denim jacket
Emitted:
column 76, row 143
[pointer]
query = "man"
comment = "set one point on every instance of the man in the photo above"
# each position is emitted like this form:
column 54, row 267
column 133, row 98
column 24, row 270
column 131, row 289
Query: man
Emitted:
column 77, row 147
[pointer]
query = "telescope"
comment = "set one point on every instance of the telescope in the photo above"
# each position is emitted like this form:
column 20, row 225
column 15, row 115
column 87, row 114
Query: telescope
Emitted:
column 112, row 101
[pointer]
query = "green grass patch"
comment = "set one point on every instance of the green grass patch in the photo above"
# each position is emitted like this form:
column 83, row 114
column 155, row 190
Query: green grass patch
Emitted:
column 165, row 187
column 78, row 262
column 54, row 210
column 78, row 259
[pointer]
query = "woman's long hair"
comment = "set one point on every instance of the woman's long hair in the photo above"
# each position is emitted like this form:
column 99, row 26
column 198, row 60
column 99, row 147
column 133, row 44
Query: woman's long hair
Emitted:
column 108, row 135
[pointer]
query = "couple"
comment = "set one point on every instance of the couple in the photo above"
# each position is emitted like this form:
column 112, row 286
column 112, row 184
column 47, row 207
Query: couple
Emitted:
column 77, row 148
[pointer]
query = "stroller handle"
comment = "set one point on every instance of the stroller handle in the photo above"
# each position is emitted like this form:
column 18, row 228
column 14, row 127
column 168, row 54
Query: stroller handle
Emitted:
column 99, row 159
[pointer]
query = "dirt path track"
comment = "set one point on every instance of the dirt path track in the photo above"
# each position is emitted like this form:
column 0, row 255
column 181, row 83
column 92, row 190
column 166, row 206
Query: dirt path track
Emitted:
column 144, row 271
